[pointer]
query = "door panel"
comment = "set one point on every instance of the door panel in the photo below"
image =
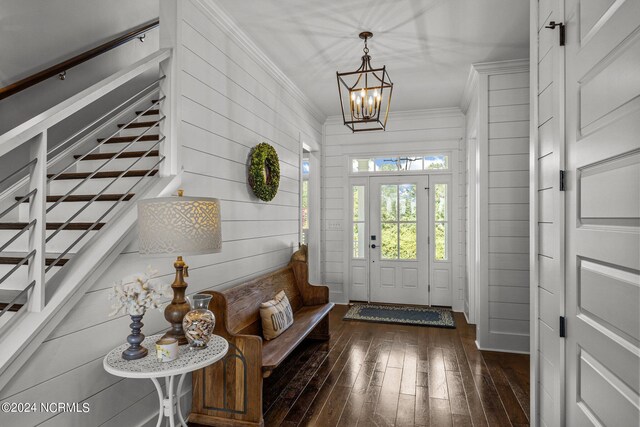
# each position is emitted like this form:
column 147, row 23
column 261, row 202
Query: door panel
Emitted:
column 603, row 213
column 549, row 273
column 399, row 252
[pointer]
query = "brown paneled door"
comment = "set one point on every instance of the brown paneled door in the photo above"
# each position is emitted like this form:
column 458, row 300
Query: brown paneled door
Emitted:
column 603, row 212
column 398, row 241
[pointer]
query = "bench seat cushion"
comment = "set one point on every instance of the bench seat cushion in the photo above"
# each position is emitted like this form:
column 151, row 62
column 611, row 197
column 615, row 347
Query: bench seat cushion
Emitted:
column 304, row 320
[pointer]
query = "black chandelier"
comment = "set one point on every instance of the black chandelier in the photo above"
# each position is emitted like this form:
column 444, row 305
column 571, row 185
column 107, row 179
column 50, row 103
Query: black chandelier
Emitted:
column 367, row 92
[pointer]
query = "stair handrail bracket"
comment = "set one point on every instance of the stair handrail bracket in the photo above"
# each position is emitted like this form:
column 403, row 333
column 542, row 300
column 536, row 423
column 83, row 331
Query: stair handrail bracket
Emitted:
column 41, row 308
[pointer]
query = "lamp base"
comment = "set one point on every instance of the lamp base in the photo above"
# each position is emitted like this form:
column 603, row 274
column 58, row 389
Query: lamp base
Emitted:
column 179, row 307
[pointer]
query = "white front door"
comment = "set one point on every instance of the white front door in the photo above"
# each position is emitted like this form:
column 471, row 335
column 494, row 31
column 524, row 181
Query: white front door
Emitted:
column 603, row 213
column 398, row 254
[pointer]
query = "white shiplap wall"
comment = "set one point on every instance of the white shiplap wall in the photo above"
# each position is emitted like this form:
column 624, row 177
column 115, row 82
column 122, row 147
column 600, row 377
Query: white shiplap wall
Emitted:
column 407, row 133
column 509, row 207
column 499, row 113
column 230, row 99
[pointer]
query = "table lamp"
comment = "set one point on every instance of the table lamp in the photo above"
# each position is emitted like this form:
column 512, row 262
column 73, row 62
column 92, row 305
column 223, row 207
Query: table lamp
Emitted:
column 179, row 226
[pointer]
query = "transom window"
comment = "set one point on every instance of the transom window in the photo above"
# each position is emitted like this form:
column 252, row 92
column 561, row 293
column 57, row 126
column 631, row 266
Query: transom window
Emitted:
column 400, row 163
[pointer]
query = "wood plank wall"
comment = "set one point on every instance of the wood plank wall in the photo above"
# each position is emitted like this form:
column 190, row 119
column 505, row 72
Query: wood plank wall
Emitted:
column 508, row 211
column 497, row 134
column 230, row 102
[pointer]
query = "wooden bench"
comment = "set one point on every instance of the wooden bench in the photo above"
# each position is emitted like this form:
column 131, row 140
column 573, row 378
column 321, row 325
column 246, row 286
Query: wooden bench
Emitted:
column 229, row 393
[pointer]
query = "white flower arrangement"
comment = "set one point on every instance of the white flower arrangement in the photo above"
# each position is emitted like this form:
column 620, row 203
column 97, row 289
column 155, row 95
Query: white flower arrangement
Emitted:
column 135, row 298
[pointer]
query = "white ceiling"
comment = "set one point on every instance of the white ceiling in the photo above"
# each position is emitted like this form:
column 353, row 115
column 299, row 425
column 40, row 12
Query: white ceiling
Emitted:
column 427, row 45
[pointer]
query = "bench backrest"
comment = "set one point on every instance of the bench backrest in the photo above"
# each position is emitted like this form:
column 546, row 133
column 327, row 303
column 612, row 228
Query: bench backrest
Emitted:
column 244, row 300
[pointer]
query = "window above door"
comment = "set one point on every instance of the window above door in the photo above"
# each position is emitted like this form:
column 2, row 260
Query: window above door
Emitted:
column 398, row 163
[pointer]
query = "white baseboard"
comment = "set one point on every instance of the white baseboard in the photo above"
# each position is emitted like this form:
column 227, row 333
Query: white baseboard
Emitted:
column 500, row 350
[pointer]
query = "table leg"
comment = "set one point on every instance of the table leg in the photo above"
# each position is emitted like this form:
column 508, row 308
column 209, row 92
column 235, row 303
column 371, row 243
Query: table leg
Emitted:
column 160, row 399
column 178, row 393
column 169, row 401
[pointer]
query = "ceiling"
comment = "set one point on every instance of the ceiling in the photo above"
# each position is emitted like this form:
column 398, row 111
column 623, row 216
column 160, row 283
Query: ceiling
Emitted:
column 427, row 45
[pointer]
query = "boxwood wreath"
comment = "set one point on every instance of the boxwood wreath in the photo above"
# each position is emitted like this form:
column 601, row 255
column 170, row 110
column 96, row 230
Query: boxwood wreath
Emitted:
column 264, row 171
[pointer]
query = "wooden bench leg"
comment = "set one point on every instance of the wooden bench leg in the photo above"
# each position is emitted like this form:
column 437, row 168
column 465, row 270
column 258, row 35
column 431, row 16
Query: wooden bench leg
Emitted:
column 321, row 331
column 229, row 392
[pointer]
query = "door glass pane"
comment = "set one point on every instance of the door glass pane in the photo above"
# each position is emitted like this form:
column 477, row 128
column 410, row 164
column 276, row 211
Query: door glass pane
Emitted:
column 358, row 214
column 441, row 241
column 407, row 196
column 440, row 194
column 358, row 240
column 408, row 241
column 389, row 202
column 389, row 241
column 358, row 203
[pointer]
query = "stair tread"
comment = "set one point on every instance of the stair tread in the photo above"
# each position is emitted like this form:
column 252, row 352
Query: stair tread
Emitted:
column 52, row 225
column 137, row 125
column 14, row 307
column 119, row 139
column 13, row 260
column 106, row 174
column 123, row 155
column 148, row 113
column 85, row 198
column 8, row 295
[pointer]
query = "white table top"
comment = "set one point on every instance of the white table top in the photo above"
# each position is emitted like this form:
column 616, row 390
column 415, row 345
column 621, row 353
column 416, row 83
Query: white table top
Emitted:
column 150, row 367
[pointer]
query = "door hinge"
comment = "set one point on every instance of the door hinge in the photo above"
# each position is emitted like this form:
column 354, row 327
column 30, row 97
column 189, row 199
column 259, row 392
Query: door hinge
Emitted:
column 552, row 25
column 563, row 327
column 428, row 240
column 562, row 180
column 429, row 288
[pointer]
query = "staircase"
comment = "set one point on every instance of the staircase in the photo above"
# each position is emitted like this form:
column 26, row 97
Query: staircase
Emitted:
column 81, row 200
column 72, row 210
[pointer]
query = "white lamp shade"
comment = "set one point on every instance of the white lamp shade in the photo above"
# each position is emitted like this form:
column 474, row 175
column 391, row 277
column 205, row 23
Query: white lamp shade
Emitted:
column 179, row 225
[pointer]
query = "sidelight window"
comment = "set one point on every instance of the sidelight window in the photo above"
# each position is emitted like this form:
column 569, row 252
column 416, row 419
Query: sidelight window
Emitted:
column 441, row 222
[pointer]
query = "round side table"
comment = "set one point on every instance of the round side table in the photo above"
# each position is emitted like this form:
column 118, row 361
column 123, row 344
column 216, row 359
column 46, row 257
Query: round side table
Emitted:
column 150, row 367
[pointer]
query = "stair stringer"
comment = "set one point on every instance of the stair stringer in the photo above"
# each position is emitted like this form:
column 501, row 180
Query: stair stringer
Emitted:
column 28, row 330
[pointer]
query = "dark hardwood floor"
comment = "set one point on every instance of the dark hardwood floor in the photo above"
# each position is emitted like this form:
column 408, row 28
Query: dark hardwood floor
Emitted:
column 372, row 374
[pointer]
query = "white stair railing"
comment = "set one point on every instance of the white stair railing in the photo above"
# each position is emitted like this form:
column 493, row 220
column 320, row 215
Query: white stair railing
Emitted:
column 33, row 134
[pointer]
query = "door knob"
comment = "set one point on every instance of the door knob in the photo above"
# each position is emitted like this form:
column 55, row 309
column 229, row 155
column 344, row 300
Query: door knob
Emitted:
column 373, row 246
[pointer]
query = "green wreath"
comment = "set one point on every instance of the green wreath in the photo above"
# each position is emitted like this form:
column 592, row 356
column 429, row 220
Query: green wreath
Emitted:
column 264, row 171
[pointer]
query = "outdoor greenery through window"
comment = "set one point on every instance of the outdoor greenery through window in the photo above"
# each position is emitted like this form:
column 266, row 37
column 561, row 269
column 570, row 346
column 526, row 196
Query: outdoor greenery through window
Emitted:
column 398, row 220
column 358, row 221
column 441, row 216
column 400, row 163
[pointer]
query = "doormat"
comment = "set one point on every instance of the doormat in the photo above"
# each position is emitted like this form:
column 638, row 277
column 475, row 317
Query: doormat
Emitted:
column 401, row 314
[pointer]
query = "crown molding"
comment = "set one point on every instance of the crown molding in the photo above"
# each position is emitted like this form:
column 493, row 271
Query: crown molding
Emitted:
column 410, row 114
column 502, row 67
column 487, row 68
column 469, row 90
column 227, row 24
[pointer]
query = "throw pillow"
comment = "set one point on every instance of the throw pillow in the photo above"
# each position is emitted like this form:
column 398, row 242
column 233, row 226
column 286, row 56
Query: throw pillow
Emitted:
column 276, row 316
